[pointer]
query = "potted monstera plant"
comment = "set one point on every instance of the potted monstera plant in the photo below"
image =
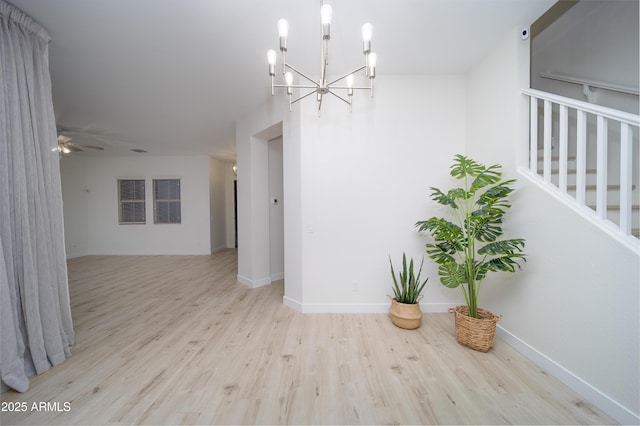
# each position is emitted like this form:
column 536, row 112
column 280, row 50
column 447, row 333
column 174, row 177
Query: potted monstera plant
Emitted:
column 468, row 246
column 407, row 288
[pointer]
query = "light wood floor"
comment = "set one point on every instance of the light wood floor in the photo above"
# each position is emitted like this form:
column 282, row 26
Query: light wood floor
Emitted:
column 174, row 339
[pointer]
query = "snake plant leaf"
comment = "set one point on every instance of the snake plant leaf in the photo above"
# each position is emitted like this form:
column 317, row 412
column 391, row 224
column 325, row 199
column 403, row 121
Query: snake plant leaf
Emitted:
column 409, row 286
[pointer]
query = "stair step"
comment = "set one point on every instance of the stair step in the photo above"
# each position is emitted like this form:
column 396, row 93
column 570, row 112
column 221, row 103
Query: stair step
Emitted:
column 570, row 171
column 594, row 187
column 615, row 208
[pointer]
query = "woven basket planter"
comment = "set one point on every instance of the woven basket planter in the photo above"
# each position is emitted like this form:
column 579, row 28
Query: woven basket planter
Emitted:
column 404, row 315
column 475, row 333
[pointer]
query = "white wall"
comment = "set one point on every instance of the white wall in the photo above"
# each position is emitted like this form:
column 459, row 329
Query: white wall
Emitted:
column 574, row 308
column 97, row 178
column 365, row 183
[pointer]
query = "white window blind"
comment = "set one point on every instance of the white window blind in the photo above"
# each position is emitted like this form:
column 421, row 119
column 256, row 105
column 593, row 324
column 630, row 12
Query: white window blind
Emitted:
column 166, row 201
column 131, row 200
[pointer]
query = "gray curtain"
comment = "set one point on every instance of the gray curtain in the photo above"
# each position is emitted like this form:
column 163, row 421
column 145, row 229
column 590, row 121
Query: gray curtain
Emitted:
column 36, row 331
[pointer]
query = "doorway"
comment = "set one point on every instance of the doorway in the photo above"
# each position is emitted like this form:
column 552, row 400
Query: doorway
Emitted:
column 276, row 208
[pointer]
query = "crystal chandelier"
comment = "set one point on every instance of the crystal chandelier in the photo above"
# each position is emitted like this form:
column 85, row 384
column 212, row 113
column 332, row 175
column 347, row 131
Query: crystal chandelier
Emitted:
column 323, row 86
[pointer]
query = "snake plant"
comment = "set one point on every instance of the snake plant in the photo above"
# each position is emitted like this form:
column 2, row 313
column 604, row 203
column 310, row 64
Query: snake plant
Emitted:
column 410, row 286
column 468, row 248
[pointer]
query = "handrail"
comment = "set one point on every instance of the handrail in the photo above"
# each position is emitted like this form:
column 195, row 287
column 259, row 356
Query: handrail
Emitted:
column 590, row 83
column 611, row 113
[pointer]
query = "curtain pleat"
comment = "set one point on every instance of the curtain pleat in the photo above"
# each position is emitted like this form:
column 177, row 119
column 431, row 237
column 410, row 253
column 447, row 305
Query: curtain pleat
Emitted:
column 36, row 329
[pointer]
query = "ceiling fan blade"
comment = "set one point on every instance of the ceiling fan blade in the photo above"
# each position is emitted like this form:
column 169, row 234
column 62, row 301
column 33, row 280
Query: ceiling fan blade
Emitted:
column 63, row 139
column 71, row 147
column 90, row 146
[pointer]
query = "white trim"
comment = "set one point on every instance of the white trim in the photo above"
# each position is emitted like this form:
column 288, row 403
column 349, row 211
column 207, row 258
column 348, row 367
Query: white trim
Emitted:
column 253, row 283
column 584, row 389
column 630, row 90
column 219, row 248
column 293, row 304
column 149, row 253
column 277, row 276
column 359, row 308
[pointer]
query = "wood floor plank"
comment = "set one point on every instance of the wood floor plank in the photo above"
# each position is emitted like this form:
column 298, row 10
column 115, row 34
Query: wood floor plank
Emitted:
column 176, row 340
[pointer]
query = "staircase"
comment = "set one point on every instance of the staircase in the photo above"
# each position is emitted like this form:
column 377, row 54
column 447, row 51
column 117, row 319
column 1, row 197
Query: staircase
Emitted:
column 588, row 155
column 613, row 191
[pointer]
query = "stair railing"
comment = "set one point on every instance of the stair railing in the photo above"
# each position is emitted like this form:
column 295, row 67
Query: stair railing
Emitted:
column 550, row 122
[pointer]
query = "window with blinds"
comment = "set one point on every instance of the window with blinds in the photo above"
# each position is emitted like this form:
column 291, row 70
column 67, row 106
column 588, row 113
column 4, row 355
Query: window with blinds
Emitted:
column 166, row 201
column 131, row 199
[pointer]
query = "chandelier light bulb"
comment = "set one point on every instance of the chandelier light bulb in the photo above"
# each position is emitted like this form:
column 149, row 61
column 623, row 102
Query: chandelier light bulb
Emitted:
column 350, row 80
column 271, row 56
column 283, row 28
column 367, row 31
column 288, row 78
column 373, row 60
column 325, row 14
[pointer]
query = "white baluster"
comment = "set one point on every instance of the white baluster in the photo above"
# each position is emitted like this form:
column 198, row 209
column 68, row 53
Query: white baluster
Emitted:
column 626, row 164
column 533, row 140
column 548, row 108
column 563, row 148
column 581, row 156
column 601, row 168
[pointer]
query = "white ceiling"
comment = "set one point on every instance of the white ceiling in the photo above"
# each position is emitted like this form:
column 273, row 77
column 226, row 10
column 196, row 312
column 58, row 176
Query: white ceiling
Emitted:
column 172, row 76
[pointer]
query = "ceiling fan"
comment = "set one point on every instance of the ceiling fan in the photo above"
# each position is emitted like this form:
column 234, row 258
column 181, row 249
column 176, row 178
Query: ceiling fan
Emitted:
column 65, row 146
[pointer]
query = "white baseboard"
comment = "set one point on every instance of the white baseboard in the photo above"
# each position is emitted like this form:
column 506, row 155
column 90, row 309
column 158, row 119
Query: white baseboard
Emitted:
column 277, row 276
column 293, row 304
column 217, row 249
column 150, row 253
column 358, row 308
column 612, row 408
column 253, row 283
column 77, row 254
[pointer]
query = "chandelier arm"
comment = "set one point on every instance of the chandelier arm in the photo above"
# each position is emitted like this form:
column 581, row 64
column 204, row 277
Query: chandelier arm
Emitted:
column 300, row 73
column 303, row 96
column 339, row 97
column 346, row 75
column 325, row 61
column 347, row 87
column 302, row 86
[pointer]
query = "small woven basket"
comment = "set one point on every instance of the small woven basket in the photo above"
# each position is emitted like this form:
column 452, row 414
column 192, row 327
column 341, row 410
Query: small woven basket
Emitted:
column 475, row 333
column 403, row 315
